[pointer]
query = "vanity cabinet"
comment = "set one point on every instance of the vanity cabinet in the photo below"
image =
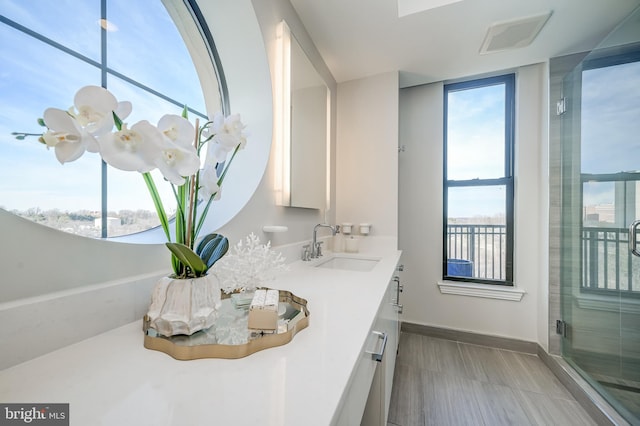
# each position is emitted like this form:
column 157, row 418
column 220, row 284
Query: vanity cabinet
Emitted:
column 326, row 375
column 368, row 397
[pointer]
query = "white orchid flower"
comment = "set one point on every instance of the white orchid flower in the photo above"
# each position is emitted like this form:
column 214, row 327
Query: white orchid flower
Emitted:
column 228, row 131
column 177, row 156
column 209, row 184
column 178, row 129
column 67, row 138
column 134, row 149
column 94, row 107
column 217, row 153
column 175, row 162
column 227, row 135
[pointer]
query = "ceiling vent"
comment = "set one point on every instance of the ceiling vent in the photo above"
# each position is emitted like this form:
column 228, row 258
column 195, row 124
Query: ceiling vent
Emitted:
column 513, row 34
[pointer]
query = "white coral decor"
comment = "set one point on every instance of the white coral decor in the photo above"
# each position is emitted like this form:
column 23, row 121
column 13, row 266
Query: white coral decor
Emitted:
column 248, row 265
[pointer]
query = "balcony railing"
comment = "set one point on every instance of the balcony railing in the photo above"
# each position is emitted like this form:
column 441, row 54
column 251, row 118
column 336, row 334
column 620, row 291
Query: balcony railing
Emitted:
column 484, row 245
column 607, row 264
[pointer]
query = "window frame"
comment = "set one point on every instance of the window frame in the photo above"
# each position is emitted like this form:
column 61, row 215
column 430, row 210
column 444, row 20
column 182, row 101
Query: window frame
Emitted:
column 102, row 65
column 507, row 181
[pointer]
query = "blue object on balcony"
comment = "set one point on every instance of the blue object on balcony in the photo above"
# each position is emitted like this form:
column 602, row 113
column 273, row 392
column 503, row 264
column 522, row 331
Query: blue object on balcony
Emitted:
column 459, row 268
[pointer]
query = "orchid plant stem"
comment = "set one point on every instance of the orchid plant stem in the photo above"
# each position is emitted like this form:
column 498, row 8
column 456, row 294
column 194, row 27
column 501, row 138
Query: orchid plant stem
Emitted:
column 192, row 197
column 226, row 167
column 220, row 180
column 195, row 230
column 180, row 224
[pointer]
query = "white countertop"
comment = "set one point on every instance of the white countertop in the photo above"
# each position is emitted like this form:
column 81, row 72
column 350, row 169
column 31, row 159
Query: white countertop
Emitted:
column 111, row 379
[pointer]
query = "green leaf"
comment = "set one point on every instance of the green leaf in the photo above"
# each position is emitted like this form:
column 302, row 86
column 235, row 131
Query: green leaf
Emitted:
column 157, row 202
column 178, row 267
column 41, row 122
column 189, row 258
column 185, row 112
column 212, row 248
column 117, row 121
column 204, row 214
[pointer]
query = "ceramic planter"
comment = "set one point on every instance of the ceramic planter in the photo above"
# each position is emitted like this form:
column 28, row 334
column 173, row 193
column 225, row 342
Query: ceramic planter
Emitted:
column 184, row 306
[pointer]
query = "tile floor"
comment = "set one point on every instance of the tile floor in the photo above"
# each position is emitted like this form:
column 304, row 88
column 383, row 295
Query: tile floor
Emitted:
column 442, row 382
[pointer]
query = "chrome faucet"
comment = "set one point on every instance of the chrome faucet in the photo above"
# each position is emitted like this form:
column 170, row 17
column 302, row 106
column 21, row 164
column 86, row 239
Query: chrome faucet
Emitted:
column 316, row 246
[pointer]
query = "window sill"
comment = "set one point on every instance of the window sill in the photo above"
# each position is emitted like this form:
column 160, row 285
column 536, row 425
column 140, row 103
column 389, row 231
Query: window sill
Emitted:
column 487, row 291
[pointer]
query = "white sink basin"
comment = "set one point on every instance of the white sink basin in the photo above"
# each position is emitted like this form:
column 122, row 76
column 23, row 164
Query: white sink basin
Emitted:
column 348, row 263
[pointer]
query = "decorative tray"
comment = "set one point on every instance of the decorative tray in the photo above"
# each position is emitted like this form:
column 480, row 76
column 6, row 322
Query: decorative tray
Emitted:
column 230, row 337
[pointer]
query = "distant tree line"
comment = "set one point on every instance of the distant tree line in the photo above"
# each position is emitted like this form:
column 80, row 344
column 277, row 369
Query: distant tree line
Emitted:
column 87, row 223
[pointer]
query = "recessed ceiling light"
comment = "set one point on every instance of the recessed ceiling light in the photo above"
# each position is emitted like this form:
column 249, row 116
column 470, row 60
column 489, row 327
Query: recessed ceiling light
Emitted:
column 107, row 25
column 513, row 34
column 408, row 7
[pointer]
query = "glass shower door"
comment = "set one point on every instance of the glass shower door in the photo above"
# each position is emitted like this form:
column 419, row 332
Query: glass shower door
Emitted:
column 600, row 277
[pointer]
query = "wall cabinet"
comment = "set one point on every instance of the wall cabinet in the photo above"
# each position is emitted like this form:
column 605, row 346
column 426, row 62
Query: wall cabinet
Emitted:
column 369, row 395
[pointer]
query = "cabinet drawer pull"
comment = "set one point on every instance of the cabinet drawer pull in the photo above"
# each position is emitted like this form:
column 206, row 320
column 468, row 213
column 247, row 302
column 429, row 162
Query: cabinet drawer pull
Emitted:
column 632, row 238
column 377, row 356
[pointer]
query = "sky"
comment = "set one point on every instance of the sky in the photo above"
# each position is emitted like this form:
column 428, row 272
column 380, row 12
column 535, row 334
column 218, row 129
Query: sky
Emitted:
column 145, row 45
column 610, row 119
column 610, row 125
column 475, row 149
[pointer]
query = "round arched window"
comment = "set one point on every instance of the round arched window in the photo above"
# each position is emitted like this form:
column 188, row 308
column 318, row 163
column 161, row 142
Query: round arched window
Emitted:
column 152, row 53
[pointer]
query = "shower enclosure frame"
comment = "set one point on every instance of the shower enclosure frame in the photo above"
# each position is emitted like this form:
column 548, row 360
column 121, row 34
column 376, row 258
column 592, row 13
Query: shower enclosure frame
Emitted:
column 564, row 134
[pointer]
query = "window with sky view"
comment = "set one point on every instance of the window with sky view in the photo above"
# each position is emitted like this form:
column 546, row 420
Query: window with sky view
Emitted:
column 49, row 51
column 478, row 192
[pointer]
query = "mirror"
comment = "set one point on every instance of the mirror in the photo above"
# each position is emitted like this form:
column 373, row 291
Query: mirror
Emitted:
column 304, row 121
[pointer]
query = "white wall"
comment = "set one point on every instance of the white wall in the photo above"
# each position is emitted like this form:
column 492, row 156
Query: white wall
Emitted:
column 542, row 89
column 420, row 236
column 367, row 153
